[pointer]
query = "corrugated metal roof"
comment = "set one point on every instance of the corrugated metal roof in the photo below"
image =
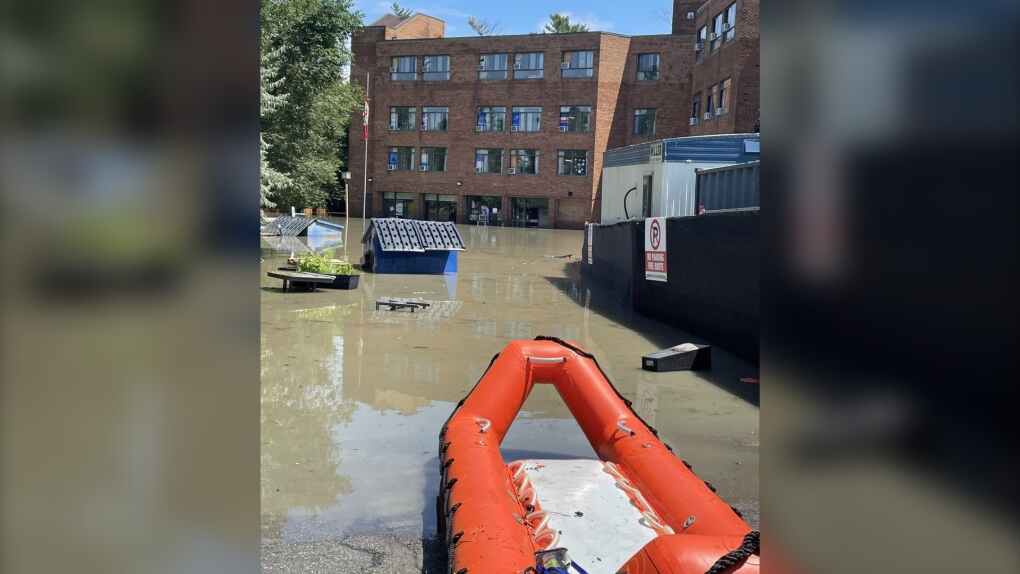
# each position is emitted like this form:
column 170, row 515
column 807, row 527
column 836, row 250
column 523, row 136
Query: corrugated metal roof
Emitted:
column 411, row 235
column 728, row 148
column 287, row 226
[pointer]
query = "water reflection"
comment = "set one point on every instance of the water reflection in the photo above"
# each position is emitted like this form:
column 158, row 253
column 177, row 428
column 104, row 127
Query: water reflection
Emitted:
column 353, row 397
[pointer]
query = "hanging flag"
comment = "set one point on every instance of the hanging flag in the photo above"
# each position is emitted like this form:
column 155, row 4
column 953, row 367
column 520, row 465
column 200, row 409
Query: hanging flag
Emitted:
column 364, row 127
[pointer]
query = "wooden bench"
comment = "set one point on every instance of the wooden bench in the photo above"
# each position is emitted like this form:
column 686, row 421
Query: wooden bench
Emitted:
column 299, row 280
column 397, row 304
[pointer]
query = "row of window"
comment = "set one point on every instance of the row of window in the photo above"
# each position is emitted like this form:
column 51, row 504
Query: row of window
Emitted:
column 717, row 102
column 724, row 29
column 489, row 160
column 527, row 66
column 573, row 119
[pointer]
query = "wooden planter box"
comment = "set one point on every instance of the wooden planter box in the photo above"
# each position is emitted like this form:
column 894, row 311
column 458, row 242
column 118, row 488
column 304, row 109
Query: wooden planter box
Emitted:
column 339, row 281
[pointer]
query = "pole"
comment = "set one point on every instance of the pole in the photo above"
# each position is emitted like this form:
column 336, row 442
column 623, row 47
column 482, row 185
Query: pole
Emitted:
column 364, row 188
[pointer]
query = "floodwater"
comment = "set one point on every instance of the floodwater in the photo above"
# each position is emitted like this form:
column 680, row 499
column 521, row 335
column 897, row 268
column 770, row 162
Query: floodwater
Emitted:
column 353, row 398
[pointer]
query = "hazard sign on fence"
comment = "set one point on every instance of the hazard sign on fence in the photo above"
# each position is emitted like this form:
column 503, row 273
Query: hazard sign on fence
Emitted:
column 655, row 249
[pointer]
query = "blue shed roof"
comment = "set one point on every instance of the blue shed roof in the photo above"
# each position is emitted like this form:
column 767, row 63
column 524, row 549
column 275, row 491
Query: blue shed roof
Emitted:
column 728, row 148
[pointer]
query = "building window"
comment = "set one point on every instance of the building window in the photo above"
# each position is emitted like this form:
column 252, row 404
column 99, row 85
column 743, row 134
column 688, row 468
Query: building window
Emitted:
column 440, row 207
column 717, row 31
column 434, row 119
column 488, row 161
column 524, row 162
column 403, row 119
column 400, row 159
column 699, row 46
column 572, row 162
column 492, row 66
column 491, row 119
column 526, row 119
column 398, row 204
column 731, row 22
column 644, row 122
column 716, row 108
column 530, row 66
column 648, row 67
column 709, row 100
column 404, row 68
column 578, row 64
column 575, row 119
column 435, row 68
column 433, row 159
column 724, row 97
column 696, row 110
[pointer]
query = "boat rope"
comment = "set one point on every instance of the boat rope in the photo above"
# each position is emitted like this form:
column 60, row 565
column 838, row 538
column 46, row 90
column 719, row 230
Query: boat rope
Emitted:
column 733, row 559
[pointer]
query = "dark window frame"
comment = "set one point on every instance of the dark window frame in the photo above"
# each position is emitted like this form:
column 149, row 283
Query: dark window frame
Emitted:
column 436, row 75
column 653, row 112
column 561, row 161
column 656, row 71
column 484, row 72
column 567, row 72
column 427, row 156
column 398, row 76
column 412, row 122
column 541, row 70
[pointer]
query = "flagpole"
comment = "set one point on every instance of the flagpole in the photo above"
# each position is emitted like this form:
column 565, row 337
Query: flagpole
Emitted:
column 364, row 188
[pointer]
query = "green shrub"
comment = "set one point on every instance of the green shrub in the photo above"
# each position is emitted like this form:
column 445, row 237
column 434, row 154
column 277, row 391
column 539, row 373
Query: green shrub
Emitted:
column 319, row 264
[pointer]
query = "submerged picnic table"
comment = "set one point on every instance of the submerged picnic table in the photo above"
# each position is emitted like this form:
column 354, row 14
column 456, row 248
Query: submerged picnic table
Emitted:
column 301, row 280
column 396, row 304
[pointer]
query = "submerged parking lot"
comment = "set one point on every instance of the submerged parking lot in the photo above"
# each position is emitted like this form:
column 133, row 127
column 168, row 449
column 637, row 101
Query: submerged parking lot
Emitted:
column 353, row 398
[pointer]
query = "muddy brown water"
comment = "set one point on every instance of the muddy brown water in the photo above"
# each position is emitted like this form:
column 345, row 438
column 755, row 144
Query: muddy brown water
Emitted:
column 353, row 398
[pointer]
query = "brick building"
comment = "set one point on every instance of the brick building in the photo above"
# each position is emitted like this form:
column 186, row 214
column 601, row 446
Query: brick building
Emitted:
column 517, row 124
column 726, row 75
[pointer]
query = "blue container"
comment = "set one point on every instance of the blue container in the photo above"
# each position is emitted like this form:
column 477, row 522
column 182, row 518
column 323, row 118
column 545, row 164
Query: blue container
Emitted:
column 411, row 246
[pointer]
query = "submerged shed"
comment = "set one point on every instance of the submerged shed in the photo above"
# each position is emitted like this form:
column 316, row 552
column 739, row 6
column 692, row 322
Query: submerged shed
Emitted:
column 298, row 226
column 411, row 246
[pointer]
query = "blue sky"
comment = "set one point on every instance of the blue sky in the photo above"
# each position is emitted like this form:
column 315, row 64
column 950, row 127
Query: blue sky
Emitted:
column 527, row 16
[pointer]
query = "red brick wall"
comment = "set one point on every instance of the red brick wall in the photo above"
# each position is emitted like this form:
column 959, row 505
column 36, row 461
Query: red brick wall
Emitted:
column 570, row 196
column 738, row 60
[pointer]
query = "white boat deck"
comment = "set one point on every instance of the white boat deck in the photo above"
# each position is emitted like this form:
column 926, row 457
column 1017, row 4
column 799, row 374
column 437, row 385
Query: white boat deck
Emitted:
column 595, row 519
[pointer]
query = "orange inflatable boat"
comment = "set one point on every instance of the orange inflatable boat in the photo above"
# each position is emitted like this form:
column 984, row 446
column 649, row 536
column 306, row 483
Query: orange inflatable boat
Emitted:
column 637, row 510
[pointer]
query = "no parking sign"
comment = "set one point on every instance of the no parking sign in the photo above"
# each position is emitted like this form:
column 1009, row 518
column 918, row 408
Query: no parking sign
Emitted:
column 655, row 249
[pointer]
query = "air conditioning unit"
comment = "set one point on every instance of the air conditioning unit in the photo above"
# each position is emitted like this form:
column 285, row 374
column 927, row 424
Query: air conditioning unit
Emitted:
column 515, row 128
column 719, row 111
column 690, row 15
column 511, row 171
column 708, row 115
column 479, row 170
column 712, row 36
column 564, row 65
column 423, row 167
column 564, row 129
column 391, row 167
column 694, row 120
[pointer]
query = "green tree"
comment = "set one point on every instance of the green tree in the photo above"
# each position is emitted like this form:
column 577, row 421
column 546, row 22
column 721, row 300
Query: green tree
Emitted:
column 306, row 42
column 560, row 24
column 401, row 11
column 271, row 99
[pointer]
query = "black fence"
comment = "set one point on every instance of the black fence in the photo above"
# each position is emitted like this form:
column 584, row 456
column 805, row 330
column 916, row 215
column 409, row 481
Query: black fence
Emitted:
column 712, row 266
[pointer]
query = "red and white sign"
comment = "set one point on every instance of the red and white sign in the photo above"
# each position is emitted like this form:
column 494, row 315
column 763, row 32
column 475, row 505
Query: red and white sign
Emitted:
column 655, row 249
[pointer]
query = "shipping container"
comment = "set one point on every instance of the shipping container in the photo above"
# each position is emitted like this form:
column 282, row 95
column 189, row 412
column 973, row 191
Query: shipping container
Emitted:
column 729, row 188
column 658, row 179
